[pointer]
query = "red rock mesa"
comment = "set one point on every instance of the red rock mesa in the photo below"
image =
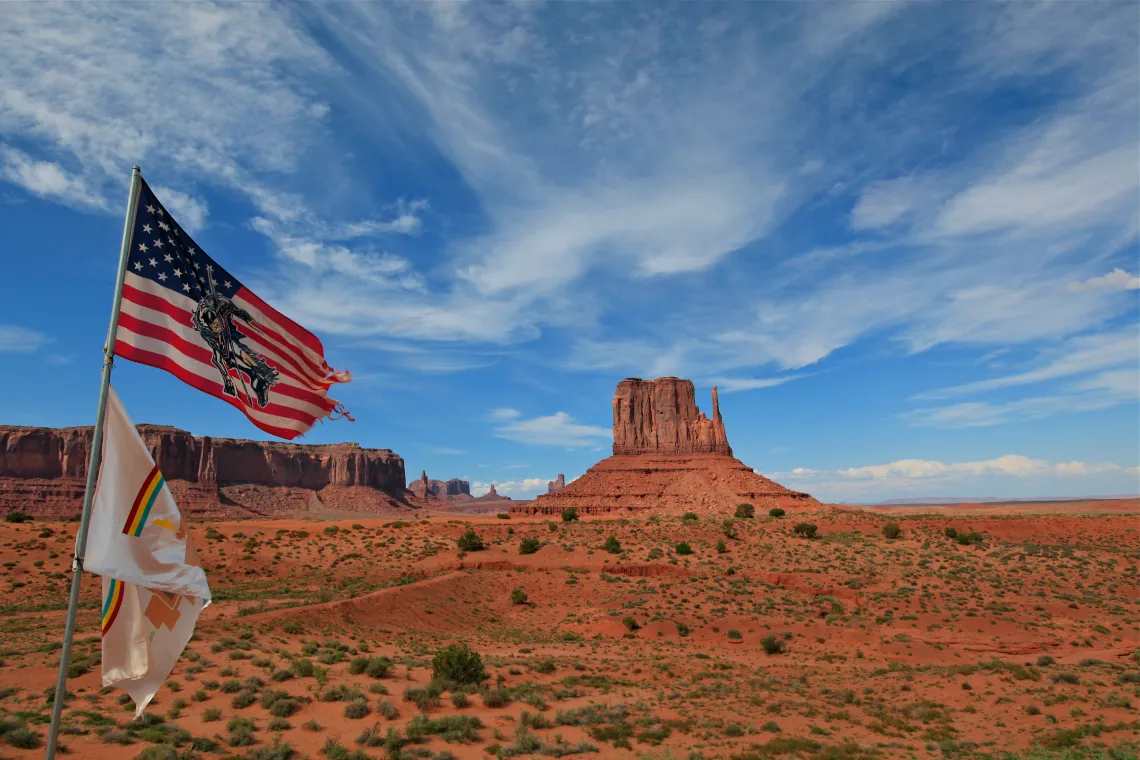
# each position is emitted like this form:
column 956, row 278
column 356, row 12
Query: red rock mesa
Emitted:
column 668, row 456
column 42, row 472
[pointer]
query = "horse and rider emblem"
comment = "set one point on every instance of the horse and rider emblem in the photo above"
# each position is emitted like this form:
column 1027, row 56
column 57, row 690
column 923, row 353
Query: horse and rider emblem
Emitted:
column 214, row 319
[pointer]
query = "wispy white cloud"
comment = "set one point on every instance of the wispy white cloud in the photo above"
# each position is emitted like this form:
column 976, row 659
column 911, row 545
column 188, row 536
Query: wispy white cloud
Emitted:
column 46, row 179
column 1078, row 356
column 14, row 338
column 1117, row 279
column 558, row 429
column 734, row 384
column 191, row 212
column 503, row 413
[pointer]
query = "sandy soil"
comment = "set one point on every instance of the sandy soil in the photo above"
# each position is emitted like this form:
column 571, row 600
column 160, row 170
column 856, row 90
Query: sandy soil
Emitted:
column 1025, row 641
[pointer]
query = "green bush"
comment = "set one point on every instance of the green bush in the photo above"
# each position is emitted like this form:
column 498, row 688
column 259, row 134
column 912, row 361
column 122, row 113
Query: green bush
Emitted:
column 17, row 517
column 470, row 542
column 569, row 514
column 745, row 511
column 735, row 635
column 630, row 623
column 690, row 517
column 892, row 530
column 776, row 512
column 612, row 545
column 683, row 548
column 373, row 667
column 951, row 532
column 728, row 527
column 967, row 539
column 772, row 645
column 721, row 547
column 459, row 663
column 805, row 529
column 529, row 545
column 1044, row 661
column 503, row 515
column 518, row 596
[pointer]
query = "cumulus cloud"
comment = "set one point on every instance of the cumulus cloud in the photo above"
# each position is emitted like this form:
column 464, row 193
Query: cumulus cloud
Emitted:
column 558, row 429
column 923, row 476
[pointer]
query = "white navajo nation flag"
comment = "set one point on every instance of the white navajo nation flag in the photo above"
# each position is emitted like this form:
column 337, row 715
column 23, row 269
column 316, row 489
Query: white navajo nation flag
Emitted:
column 153, row 586
column 183, row 313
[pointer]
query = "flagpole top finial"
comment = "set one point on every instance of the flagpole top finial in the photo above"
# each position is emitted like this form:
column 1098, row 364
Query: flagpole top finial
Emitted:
column 136, row 168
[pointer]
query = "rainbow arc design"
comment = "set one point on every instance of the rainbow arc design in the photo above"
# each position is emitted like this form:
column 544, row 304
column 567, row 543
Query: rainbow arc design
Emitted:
column 112, row 603
column 140, row 510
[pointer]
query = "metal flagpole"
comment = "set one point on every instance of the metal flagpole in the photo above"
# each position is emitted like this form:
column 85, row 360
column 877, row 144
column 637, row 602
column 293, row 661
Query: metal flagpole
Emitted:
column 92, row 468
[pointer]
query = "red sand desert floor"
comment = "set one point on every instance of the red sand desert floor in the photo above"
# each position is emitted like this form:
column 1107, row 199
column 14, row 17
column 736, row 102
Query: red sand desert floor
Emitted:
column 758, row 644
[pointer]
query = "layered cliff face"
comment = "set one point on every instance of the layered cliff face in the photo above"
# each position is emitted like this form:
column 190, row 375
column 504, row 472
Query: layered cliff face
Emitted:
column 425, row 488
column 661, row 417
column 42, row 469
column 667, row 457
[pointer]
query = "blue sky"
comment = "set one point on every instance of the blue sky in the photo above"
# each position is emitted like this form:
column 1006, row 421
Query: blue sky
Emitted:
column 901, row 237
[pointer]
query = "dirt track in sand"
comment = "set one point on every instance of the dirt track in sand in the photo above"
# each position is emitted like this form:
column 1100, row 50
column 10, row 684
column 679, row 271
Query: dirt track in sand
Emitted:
column 898, row 647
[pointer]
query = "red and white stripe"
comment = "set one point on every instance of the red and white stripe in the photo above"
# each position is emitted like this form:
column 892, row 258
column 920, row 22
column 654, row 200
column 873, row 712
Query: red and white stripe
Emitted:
column 156, row 328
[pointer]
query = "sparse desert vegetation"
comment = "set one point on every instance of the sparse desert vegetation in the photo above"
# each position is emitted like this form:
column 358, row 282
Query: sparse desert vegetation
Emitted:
column 831, row 634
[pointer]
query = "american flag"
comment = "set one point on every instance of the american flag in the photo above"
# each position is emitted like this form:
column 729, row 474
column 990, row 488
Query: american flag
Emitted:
column 183, row 313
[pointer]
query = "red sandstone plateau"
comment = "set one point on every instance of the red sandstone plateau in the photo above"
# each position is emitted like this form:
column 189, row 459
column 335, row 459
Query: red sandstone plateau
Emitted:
column 668, row 457
column 42, row 472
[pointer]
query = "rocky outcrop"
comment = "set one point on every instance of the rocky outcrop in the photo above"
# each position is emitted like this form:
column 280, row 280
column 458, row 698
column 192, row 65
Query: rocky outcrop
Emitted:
column 425, row 488
column 492, row 495
column 668, row 457
column 661, row 417
column 557, row 484
column 43, row 469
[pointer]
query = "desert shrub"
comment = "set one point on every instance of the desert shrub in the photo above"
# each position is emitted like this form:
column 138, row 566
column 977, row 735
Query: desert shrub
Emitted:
column 495, row 698
column 243, row 700
column 459, row 663
column 159, row 752
column 373, row 667
column 655, row 553
column 735, row 635
column 1071, row 678
column 460, row 699
column 470, row 542
column 805, row 529
column 518, row 596
column 728, row 527
column 683, row 548
column 892, row 530
column 772, row 645
column 569, row 514
column 776, row 512
column 22, row 737
column 529, row 545
column 721, row 547
column 690, row 517
column 17, row 517
column 1044, row 661
column 503, row 515
column 682, row 629
column 745, row 511
column 387, row 710
column 357, row 709
column 630, row 623
column 612, row 545
column 210, row 714
column 951, row 532
column 973, row 537
column 734, row 730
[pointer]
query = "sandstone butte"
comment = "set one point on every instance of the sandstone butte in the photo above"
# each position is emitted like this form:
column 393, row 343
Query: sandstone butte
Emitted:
column 667, row 457
column 425, row 488
column 42, row 472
